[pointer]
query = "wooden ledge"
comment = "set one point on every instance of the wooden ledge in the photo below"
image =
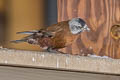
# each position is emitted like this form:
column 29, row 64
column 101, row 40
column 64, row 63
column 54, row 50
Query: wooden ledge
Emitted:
column 58, row 61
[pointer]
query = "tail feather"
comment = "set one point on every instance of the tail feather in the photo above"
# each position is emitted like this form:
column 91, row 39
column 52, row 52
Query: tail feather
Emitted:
column 18, row 41
column 25, row 39
column 28, row 32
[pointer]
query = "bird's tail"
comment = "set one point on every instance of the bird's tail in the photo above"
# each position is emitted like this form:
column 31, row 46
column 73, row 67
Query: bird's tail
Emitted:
column 28, row 32
column 25, row 38
column 18, row 41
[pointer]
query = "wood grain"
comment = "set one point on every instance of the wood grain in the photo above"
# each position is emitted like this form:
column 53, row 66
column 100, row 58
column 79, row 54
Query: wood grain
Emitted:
column 100, row 15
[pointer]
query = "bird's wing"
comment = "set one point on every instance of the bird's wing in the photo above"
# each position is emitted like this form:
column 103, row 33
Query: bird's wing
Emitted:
column 59, row 27
column 33, row 35
column 48, row 32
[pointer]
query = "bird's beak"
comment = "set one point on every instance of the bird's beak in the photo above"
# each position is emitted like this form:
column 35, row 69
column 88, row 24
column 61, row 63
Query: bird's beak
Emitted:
column 86, row 28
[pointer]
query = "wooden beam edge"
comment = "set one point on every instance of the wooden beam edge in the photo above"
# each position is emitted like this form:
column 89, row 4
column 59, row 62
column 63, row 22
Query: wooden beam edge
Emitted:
column 59, row 61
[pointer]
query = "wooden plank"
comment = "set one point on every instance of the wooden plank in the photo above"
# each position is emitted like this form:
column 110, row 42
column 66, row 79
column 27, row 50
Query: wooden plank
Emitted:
column 17, row 73
column 59, row 61
column 100, row 15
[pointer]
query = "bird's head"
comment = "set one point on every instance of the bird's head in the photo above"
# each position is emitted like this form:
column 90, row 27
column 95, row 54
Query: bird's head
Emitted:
column 78, row 25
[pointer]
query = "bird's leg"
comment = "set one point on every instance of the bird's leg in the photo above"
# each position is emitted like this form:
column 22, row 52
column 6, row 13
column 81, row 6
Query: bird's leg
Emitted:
column 50, row 50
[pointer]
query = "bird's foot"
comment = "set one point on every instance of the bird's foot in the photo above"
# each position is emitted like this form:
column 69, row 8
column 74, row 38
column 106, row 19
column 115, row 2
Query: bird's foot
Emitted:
column 53, row 51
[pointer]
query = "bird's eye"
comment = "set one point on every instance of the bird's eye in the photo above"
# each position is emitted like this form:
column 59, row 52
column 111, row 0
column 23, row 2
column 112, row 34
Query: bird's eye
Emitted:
column 50, row 36
column 39, row 31
column 78, row 27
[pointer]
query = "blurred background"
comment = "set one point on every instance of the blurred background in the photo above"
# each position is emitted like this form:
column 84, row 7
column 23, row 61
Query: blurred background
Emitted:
column 22, row 15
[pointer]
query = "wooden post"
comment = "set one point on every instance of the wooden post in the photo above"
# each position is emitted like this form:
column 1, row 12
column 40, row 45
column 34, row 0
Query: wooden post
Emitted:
column 100, row 16
column 2, row 21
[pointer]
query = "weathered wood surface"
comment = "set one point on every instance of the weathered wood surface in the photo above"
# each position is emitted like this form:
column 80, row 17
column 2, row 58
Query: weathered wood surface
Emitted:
column 59, row 61
column 100, row 15
column 19, row 73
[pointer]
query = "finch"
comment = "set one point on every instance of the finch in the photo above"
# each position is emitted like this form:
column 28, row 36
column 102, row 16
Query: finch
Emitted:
column 56, row 36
